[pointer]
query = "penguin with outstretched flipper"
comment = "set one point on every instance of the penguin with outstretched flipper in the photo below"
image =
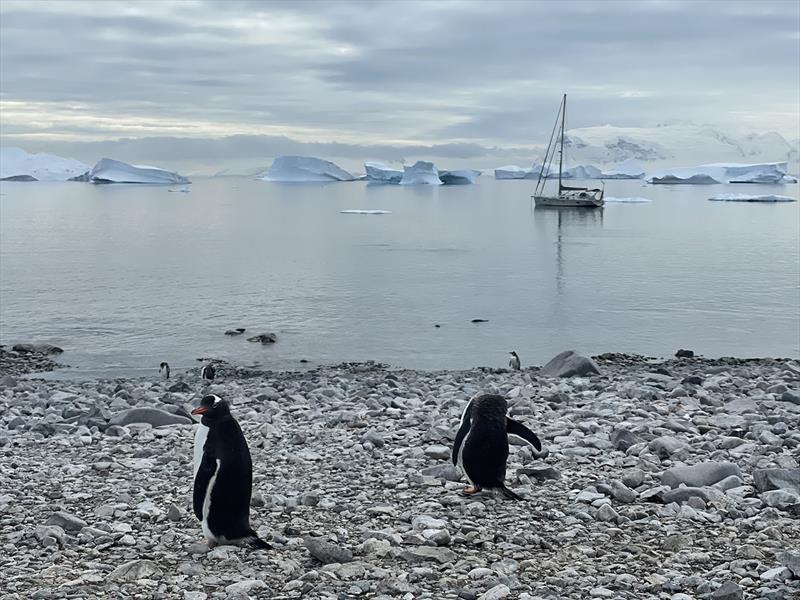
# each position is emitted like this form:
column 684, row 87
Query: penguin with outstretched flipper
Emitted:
column 223, row 481
column 481, row 445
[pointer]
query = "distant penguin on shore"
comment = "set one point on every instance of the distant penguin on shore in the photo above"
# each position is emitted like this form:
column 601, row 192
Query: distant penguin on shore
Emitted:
column 481, row 445
column 223, row 481
column 164, row 367
column 208, row 372
column 514, row 362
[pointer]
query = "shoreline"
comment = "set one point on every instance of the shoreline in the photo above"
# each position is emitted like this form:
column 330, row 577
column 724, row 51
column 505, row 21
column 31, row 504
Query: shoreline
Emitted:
column 96, row 502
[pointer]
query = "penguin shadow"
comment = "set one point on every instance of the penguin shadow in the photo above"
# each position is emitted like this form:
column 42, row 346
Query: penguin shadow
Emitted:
column 481, row 446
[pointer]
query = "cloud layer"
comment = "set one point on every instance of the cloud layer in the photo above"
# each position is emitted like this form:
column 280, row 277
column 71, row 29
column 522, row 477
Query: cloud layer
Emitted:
column 487, row 73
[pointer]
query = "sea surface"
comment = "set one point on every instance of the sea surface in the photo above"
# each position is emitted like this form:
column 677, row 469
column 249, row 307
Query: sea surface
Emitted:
column 126, row 276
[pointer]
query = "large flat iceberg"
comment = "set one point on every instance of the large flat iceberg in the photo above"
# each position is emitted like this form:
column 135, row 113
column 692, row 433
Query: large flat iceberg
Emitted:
column 515, row 172
column 421, row 173
column 380, row 173
column 108, row 170
column 724, row 173
column 305, row 168
column 18, row 165
column 459, row 176
column 749, row 198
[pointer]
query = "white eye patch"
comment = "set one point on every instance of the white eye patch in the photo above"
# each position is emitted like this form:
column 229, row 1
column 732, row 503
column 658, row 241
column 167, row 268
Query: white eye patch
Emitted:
column 217, row 400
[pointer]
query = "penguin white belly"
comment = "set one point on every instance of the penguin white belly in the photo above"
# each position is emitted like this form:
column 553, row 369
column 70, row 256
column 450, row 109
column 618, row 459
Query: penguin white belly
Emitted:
column 207, row 504
column 461, row 458
column 200, row 435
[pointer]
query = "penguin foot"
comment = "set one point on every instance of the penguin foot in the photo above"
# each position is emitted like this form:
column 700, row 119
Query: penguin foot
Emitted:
column 211, row 544
column 469, row 491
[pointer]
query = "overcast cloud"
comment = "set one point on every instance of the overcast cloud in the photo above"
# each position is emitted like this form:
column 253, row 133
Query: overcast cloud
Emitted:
column 391, row 73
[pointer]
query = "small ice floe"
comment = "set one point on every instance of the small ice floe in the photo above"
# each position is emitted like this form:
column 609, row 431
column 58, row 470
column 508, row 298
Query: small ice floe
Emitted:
column 751, row 198
column 184, row 190
column 631, row 200
column 358, row 211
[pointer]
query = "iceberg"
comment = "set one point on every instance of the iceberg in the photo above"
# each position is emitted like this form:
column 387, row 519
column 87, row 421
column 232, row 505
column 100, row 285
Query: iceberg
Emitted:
column 305, row 168
column 749, row 198
column 421, row 173
column 627, row 169
column 108, row 170
column 723, row 173
column 18, row 165
column 459, row 177
column 579, row 172
column 515, row 172
column 379, row 172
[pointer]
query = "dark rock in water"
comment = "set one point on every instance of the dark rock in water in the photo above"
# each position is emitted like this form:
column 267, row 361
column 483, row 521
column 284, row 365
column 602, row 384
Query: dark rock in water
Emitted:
column 153, row 416
column 327, row 553
column 480, row 320
column 684, row 353
column 777, row 479
column 20, row 178
column 237, row 331
column 569, row 364
column 180, row 387
column 437, row 325
column 622, row 438
column 303, row 360
column 699, row 475
column 37, row 349
column 84, row 177
column 264, row 338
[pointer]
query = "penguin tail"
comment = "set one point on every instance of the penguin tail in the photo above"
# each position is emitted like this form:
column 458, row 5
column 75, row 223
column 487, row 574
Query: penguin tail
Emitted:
column 255, row 542
column 510, row 494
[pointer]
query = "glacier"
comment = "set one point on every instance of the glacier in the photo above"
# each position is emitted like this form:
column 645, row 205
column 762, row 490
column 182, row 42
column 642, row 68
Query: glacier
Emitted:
column 724, row 173
column 421, row 173
column 749, row 198
column 380, row 173
column 459, row 176
column 18, row 165
column 297, row 169
column 108, row 170
column 579, row 172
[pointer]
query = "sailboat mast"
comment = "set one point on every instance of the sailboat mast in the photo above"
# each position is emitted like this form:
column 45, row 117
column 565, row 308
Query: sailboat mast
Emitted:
column 561, row 154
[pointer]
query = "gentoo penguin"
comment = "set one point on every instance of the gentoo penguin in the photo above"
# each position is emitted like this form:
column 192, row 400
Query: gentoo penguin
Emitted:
column 165, row 368
column 208, row 372
column 223, row 481
column 481, row 446
column 514, row 362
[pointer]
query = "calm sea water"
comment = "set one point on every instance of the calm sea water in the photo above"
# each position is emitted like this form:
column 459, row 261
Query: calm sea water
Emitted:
column 124, row 276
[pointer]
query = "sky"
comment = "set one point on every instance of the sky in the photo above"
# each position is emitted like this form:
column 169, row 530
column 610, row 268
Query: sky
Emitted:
column 449, row 74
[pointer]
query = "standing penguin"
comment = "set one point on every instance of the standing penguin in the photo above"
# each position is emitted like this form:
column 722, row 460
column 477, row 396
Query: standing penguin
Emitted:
column 164, row 367
column 514, row 362
column 208, row 372
column 223, row 482
column 481, row 445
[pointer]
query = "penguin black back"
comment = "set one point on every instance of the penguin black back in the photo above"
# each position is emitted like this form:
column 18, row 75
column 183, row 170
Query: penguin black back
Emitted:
column 208, row 372
column 165, row 368
column 224, row 480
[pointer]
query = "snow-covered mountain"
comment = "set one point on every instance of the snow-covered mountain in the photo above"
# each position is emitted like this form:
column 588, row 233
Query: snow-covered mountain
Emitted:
column 673, row 144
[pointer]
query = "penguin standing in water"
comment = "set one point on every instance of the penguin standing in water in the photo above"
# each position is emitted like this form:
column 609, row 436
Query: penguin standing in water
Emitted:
column 208, row 372
column 164, row 367
column 481, row 445
column 223, row 481
column 514, row 362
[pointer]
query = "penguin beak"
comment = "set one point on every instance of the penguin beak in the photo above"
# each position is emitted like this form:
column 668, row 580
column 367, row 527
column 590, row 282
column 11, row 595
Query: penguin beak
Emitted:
column 200, row 410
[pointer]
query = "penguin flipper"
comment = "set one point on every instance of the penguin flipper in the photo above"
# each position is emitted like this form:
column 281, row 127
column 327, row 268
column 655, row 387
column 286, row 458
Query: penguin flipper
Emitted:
column 510, row 494
column 519, row 430
column 202, row 478
column 462, row 433
column 255, row 542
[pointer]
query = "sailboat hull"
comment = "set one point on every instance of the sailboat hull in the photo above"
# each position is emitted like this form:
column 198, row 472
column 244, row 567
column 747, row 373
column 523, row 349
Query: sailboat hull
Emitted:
column 570, row 201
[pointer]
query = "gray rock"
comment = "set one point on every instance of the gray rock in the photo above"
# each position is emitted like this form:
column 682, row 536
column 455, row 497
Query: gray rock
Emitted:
column 633, row 478
column 569, row 364
column 135, row 569
column 49, row 535
column 373, row 437
column 428, row 553
column 622, row 438
column 438, row 452
column 498, row 592
column 446, row 471
column 7, row 382
column 327, row 553
column 66, row 521
column 777, row 479
column 153, row 416
column 791, row 396
column 683, row 494
column 728, row 591
column 700, row 474
column 540, row 473
column 622, row 492
column 37, row 349
column 665, row 446
column 780, row 499
column 790, row 560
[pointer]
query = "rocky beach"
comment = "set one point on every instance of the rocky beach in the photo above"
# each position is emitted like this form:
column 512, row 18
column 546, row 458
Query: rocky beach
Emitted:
column 673, row 479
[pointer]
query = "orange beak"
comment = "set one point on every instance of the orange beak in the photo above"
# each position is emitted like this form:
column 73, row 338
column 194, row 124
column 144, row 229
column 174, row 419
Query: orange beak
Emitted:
column 200, row 410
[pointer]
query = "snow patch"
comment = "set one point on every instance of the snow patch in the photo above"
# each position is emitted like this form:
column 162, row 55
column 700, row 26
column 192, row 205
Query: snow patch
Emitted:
column 750, row 198
column 421, row 173
column 305, row 169
column 18, row 165
column 108, row 170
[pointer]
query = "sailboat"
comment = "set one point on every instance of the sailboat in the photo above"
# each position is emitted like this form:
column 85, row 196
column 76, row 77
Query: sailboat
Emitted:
column 567, row 196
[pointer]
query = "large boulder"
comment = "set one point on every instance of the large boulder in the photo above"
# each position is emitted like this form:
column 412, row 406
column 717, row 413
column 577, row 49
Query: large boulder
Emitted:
column 569, row 364
column 153, row 416
column 777, row 479
column 699, row 475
